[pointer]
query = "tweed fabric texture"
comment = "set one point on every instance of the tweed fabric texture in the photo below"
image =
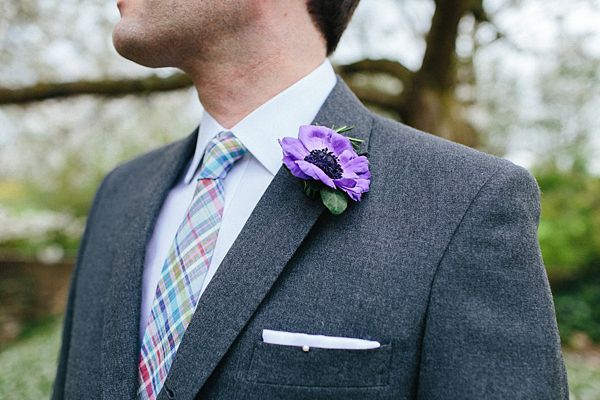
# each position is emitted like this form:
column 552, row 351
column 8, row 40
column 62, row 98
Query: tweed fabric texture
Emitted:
column 186, row 266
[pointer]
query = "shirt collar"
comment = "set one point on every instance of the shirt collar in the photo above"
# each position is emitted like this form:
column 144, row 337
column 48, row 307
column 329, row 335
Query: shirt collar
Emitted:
column 279, row 117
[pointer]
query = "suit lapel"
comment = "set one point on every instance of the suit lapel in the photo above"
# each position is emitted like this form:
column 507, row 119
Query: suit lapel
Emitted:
column 277, row 226
column 120, row 343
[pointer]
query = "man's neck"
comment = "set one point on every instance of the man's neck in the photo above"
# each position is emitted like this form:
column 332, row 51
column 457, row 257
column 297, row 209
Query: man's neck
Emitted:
column 230, row 94
column 235, row 79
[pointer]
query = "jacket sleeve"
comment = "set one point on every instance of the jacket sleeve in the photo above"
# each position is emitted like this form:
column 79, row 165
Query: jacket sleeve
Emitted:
column 490, row 329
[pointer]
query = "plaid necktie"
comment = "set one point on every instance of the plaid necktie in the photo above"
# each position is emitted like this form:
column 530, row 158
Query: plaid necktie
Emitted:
column 186, row 266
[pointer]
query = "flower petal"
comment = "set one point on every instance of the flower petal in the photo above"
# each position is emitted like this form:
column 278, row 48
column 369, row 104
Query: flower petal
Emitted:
column 345, row 183
column 350, row 175
column 358, row 165
column 365, row 175
column 339, row 144
column 294, row 168
column 363, row 185
column 314, row 137
column 293, row 148
column 354, row 187
column 316, row 173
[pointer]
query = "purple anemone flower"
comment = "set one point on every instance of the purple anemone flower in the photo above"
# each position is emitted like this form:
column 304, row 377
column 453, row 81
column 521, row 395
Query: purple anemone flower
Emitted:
column 324, row 155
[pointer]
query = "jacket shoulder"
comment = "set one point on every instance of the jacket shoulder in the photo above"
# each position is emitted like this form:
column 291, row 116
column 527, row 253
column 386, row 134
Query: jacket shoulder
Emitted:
column 398, row 146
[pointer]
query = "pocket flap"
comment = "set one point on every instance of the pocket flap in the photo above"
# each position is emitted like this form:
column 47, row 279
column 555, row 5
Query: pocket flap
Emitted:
column 293, row 366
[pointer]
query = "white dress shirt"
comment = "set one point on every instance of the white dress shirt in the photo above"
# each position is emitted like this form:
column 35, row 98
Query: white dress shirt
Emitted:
column 246, row 181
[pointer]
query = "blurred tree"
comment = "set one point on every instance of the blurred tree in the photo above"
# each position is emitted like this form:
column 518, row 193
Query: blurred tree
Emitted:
column 426, row 100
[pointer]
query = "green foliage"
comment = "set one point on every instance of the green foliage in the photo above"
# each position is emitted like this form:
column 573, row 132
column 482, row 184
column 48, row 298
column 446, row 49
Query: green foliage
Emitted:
column 577, row 311
column 30, row 249
column 570, row 240
column 569, row 230
column 334, row 200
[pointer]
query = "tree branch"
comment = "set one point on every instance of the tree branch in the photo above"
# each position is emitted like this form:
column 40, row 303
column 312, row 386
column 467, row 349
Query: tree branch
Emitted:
column 393, row 68
column 112, row 88
column 373, row 96
column 108, row 88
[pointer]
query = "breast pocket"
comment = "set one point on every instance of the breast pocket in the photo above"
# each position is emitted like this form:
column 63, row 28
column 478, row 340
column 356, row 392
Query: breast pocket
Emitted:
column 293, row 366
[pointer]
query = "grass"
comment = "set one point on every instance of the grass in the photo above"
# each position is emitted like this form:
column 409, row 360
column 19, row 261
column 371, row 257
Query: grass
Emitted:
column 584, row 375
column 27, row 367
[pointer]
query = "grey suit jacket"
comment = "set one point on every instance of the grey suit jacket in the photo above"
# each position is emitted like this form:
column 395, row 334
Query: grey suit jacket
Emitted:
column 440, row 263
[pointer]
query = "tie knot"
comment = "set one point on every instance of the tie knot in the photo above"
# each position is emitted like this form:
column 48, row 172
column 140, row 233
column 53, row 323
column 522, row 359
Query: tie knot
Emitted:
column 220, row 154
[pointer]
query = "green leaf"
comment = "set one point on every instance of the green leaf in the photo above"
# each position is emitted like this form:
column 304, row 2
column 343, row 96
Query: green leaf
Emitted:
column 334, row 200
column 306, row 188
column 312, row 187
column 342, row 129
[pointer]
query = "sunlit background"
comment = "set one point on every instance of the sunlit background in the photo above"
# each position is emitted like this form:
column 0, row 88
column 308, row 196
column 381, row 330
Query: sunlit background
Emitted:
column 521, row 81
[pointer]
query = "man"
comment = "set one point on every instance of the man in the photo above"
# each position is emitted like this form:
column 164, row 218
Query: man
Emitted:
column 431, row 287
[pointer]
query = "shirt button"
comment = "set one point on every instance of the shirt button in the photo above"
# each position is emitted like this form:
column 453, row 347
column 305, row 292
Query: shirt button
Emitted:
column 305, row 348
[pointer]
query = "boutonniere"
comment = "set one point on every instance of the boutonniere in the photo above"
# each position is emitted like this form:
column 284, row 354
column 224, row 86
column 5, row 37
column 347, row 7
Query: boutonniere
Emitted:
column 327, row 162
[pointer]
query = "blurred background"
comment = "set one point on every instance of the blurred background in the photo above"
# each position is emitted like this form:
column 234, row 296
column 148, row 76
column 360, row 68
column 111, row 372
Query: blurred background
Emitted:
column 515, row 78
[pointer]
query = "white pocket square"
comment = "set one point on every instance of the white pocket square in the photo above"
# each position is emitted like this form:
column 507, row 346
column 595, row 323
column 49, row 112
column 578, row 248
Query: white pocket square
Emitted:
column 306, row 341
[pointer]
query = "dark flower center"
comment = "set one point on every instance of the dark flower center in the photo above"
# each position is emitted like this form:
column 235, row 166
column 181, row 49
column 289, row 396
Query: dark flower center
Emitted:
column 327, row 161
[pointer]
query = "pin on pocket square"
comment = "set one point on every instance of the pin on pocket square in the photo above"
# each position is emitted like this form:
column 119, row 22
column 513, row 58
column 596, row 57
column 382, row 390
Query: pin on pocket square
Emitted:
column 305, row 340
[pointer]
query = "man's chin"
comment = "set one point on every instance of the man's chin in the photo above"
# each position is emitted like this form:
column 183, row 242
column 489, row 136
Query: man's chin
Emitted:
column 134, row 48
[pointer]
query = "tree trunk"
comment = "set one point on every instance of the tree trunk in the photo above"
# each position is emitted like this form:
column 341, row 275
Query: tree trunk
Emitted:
column 430, row 102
